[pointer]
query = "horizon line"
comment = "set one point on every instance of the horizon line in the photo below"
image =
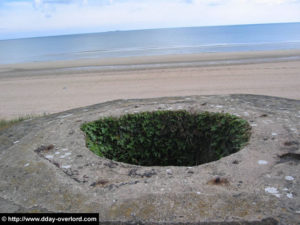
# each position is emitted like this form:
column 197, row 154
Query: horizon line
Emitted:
column 146, row 29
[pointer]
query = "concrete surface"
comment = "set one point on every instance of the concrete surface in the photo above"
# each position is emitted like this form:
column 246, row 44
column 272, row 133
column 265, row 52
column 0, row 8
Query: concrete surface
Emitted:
column 46, row 167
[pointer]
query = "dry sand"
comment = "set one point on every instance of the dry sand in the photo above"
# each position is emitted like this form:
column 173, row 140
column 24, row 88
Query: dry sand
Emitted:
column 48, row 87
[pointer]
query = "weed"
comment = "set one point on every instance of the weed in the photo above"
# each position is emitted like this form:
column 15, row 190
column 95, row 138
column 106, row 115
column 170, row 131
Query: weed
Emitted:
column 4, row 124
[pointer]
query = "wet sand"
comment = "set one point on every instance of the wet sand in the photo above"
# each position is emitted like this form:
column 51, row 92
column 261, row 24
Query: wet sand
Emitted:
column 48, row 87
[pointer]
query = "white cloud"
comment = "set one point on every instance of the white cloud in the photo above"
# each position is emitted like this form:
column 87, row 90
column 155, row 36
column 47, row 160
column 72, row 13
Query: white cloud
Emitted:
column 53, row 16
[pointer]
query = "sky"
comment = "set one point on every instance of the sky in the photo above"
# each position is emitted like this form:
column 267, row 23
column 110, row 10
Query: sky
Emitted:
column 31, row 18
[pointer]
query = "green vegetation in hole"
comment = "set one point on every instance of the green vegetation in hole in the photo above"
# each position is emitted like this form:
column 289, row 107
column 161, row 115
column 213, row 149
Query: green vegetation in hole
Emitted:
column 164, row 138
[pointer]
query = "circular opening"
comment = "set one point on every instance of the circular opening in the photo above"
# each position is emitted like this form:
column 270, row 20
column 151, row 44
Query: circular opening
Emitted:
column 167, row 138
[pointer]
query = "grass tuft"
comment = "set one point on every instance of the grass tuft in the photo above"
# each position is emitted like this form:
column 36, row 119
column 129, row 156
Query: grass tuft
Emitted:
column 4, row 124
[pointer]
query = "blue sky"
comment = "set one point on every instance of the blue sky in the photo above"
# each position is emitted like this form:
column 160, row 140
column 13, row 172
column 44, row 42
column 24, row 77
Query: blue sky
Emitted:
column 27, row 18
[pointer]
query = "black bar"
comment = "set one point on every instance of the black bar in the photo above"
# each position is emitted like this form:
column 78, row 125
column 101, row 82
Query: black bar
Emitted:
column 49, row 218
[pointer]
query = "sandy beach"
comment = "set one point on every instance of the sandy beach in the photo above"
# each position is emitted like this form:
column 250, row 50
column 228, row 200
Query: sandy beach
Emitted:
column 49, row 87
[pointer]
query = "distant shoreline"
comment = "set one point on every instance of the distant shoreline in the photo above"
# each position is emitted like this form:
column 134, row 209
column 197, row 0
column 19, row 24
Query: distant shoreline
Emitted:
column 49, row 87
column 147, row 62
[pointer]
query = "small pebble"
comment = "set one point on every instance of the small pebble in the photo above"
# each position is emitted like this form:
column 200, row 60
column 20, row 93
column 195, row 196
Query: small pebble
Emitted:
column 27, row 164
column 289, row 195
column 289, row 178
column 66, row 167
column 262, row 162
column 198, row 192
column 277, row 195
column 273, row 191
column 16, row 142
column 49, row 156
column 274, row 134
column 169, row 171
column 57, row 153
column 64, row 116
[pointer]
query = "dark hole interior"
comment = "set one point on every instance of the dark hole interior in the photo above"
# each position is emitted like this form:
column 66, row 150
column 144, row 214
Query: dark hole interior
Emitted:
column 165, row 138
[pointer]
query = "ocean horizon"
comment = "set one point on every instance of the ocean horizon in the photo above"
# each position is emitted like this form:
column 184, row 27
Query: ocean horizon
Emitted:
column 165, row 41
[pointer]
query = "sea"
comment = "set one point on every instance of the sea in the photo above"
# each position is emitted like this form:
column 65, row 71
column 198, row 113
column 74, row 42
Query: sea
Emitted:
column 189, row 40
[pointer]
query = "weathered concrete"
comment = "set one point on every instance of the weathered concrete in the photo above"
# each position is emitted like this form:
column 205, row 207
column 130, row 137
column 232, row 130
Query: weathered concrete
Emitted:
column 45, row 167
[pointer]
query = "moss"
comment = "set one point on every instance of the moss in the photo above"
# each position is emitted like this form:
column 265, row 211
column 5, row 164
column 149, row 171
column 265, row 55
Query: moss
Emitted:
column 164, row 138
